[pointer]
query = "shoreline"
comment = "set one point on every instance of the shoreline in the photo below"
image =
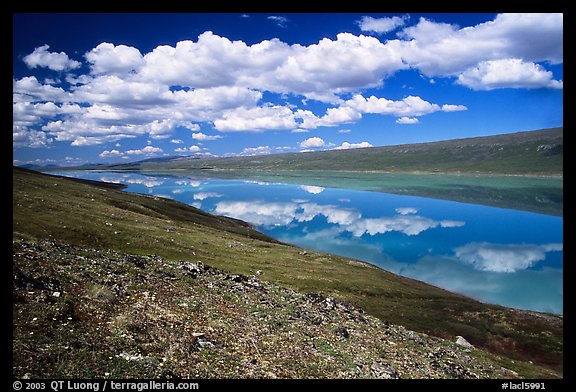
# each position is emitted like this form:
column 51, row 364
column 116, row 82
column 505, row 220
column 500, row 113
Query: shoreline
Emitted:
column 258, row 170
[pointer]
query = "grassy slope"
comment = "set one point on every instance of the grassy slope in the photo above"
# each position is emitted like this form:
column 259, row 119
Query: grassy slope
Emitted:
column 534, row 152
column 57, row 208
column 126, row 316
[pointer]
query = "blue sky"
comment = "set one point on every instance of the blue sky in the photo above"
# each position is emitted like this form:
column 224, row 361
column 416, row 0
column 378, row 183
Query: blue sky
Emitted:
column 123, row 87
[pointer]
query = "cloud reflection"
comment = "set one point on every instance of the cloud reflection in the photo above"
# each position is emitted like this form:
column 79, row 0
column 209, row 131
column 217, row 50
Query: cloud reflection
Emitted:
column 540, row 290
column 312, row 189
column 205, row 195
column 485, row 256
column 148, row 182
column 347, row 219
column 407, row 224
column 406, row 210
column 259, row 212
column 191, row 183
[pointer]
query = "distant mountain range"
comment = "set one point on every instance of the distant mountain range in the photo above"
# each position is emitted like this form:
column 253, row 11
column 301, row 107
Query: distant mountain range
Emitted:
column 537, row 152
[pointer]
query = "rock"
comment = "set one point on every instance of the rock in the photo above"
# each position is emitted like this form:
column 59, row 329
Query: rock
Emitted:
column 343, row 332
column 329, row 303
column 416, row 338
column 382, row 370
column 254, row 282
column 510, row 373
column 463, row 342
column 130, row 357
column 457, row 371
column 203, row 342
column 236, row 278
column 315, row 298
column 139, row 262
column 193, row 268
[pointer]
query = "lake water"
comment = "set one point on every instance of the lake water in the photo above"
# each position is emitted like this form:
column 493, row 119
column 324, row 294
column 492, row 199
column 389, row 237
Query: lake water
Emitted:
column 496, row 255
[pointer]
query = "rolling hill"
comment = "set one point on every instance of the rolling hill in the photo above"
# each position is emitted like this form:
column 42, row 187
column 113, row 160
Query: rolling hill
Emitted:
column 523, row 153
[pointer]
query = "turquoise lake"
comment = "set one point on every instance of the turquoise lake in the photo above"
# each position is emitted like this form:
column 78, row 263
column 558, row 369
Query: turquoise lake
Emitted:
column 495, row 255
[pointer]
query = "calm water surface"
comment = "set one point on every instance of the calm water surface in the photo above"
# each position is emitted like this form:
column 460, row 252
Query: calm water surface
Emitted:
column 502, row 256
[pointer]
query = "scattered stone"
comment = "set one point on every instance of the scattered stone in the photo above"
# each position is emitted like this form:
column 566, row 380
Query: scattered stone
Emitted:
column 329, row 303
column 254, row 283
column 130, row 357
column 315, row 298
column 463, row 342
column 202, row 342
column 510, row 373
column 193, row 268
column 381, row 370
column 236, row 278
column 168, row 276
column 139, row 262
column 416, row 338
column 435, row 355
column 343, row 332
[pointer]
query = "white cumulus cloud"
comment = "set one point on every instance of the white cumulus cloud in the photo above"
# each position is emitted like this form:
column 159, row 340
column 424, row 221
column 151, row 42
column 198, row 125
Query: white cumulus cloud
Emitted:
column 511, row 73
column 347, row 146
column 41, row 57
column 148, row 150
column 106, row 58
column 111, row 154
column 188, row 149
column 312, row 142
column 453, row 108
column 407, row 120
column 260, row 150
column 202, row 137
column 440, row 49
column 256, row 119
column 409, row 106
column 381, row 25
